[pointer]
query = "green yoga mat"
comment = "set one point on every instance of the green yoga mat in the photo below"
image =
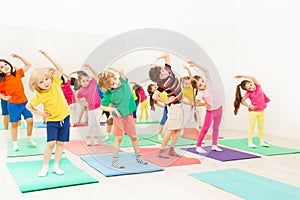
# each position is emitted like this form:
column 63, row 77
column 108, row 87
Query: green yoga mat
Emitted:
column 25, row 148
column 180, row 142
column 25, row 175
column 126, row 142
column 23, row 125
column 242, row 144
column 147, row 122
column 249, row 186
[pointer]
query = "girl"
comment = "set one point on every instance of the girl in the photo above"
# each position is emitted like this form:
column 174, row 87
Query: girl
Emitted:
column 213, row 104
column 69, row 95
column 119, row 96
column 151, row 89
column 256, row 109
column 88, row 90
column 56, row 111
column 143, row 101
column 11, row 84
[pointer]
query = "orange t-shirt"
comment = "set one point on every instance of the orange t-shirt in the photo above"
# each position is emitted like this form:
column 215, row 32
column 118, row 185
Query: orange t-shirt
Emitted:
column 13, row 86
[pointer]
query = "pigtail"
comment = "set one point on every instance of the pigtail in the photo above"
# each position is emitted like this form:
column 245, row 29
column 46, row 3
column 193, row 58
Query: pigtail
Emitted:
column 238, row 99
column 152, row 102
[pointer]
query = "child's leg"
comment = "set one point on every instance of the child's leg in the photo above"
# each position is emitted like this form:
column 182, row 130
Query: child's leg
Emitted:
column 252, row 122
column 146, row 109
column 58, row 154
column 14, row 135
column 141, row 111
column 260, row 125
column 115, row 162
column 5, row 121
column 86, row 115
column 46, row 158
column 206, row 125
column 217, row 117
column 136, row 147
column 173, row 143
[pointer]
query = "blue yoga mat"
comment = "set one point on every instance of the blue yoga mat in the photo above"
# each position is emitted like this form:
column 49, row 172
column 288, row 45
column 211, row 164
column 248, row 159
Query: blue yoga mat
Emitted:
column 102, row 163
column 248, row 185
column 39, row 125
column 25, row 175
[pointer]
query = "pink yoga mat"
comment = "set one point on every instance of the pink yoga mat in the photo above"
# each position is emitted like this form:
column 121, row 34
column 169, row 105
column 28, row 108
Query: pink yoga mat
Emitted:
column 79, row 148
column 151, row 155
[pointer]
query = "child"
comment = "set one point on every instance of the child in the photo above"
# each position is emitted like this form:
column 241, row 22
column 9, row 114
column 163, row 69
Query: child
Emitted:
column 151, row 89
column 5, row 114
column 69, row 95
column 11, row 84
column 256, row 109
column 167, row 81
column 56, row 111
column 143, row 101
column 88, row 90
column 213, row 104
column 118, row 94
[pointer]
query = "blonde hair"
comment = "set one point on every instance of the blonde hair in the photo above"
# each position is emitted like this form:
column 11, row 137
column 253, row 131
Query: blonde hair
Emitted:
column 104, row 79
column 36, row 76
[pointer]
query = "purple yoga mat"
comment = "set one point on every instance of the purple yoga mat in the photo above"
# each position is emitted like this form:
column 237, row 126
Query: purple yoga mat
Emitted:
column 225, row 155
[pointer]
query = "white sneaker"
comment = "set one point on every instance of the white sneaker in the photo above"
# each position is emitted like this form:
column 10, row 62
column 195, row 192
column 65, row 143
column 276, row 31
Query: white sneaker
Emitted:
column 200, row 150
column 263, row 144
column 96, row 143
column 15, row 146
column 44, row 171
column 251, row 145
column 216, row 148
column 32, row 142
column 106, row 137
column 58, row 171
column 88, row 142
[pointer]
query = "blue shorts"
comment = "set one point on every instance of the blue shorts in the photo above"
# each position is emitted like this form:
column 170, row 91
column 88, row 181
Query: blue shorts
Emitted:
column 164, row 117
column 59, row 131
column 16, row 110
column 4, row 107
column 134, row 112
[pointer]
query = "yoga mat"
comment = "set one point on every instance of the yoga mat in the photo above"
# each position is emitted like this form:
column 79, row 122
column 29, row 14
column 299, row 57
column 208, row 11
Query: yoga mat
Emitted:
column 23, row 125
column 151, row 155
column 25, row 148
column 148, row 122
column 25, row 175
column 39, row 125
column 80, row 124
column 79, row 148
column 103, row 164
column 180, row 142
column 226, row 155
column 242, row 144
column 126, row 141
column 248, row 185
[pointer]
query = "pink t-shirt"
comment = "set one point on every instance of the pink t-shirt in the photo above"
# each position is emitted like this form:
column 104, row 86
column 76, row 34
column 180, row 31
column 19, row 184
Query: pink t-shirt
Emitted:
column 210, row 96
column 68, row 92
column 142, row 94
column 90, row 94
column 257, row 98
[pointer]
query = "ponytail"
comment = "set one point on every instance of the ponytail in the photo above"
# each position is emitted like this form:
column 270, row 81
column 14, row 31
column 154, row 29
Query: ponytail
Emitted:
column 238, row 99
column 152, row 102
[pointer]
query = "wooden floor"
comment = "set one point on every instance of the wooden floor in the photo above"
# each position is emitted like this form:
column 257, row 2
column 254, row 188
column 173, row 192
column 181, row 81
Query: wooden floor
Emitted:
column 172, row 183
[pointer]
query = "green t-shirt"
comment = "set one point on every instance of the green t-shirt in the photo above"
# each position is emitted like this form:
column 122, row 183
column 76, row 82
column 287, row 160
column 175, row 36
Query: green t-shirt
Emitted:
column 120, row 98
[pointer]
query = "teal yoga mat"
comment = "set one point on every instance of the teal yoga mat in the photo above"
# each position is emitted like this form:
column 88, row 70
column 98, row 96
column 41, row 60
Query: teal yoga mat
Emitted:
column 23, row 125
column 242, row 144
column 180, row 142
column 126, row 142
column 248, row 185
column 25, row 175
column 25, row 148
column 148, row 122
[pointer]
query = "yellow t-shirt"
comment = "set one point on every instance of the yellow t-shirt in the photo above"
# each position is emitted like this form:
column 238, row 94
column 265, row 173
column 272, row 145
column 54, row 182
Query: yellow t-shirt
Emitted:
column 133, row 94
column 188, row 93
column 53, row 100
column 163, row 95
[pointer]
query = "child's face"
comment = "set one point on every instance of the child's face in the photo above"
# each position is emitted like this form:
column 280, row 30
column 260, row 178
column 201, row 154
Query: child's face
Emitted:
column 163, row 74
column 84, row 81
column 250, row 87
column 5, row 68
column 186, row 84
column 201, row 85
column 44, row 83
column 114, row 83
column 153, row 88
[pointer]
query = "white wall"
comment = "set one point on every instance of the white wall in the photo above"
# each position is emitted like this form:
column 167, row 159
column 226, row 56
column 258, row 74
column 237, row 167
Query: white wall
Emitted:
column 259, row 37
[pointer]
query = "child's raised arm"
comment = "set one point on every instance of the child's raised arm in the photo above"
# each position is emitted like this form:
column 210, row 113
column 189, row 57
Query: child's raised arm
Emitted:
column 89, row 67
column 252, row 78
column 165, row 56
column 59, row 69
column 207, row 75
column 120, row 71
column 26, row 63
column 189, row 71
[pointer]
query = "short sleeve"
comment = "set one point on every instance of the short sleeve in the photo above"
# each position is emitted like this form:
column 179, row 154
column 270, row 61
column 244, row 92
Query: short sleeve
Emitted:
column 35, row 101
column 107, row 98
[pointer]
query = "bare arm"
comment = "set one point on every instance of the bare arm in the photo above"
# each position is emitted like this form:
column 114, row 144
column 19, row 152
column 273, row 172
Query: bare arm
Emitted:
column 158, row 98
column 59, row 69
column 32, row 109
column 207, row 75
column 67, row 76
column 189, row 71
column 89, row 67
column 26, row 63
column 110, row 109
column 252, row 107
column 165, row 56
column 120, row 71
column 252, row 78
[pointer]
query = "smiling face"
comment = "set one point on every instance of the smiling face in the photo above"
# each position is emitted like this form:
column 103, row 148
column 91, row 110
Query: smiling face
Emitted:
column 201, row 84
column 114, row 83
column 5, row 67
column 84, row 81
column 44, row 83
column 250, row 87
column 186, row 83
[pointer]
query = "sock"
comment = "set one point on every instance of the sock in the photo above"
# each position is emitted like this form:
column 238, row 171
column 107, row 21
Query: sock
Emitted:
column 44, row 171
column 139, row 159
column 116, row 163
column 162, row 154
column 172, row 152
column 57, row 170
column 15, row 146
column 31, row 141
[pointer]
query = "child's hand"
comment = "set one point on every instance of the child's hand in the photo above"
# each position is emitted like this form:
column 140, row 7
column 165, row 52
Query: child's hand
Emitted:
column 45, row 114
column 116, row 112
column 170, row 99
column 15, row 55
column 6, row 98
column 192, row 63
column 207, row 106
column 44, row 53
column 252, row 107
column 238, row 76
column 87, row 66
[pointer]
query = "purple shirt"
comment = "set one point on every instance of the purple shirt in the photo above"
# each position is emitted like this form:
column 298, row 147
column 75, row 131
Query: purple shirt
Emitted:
column 257, row 98
column 90, row 93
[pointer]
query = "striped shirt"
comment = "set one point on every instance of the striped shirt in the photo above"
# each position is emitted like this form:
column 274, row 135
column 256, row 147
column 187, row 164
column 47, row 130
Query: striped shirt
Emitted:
column 171, row 85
